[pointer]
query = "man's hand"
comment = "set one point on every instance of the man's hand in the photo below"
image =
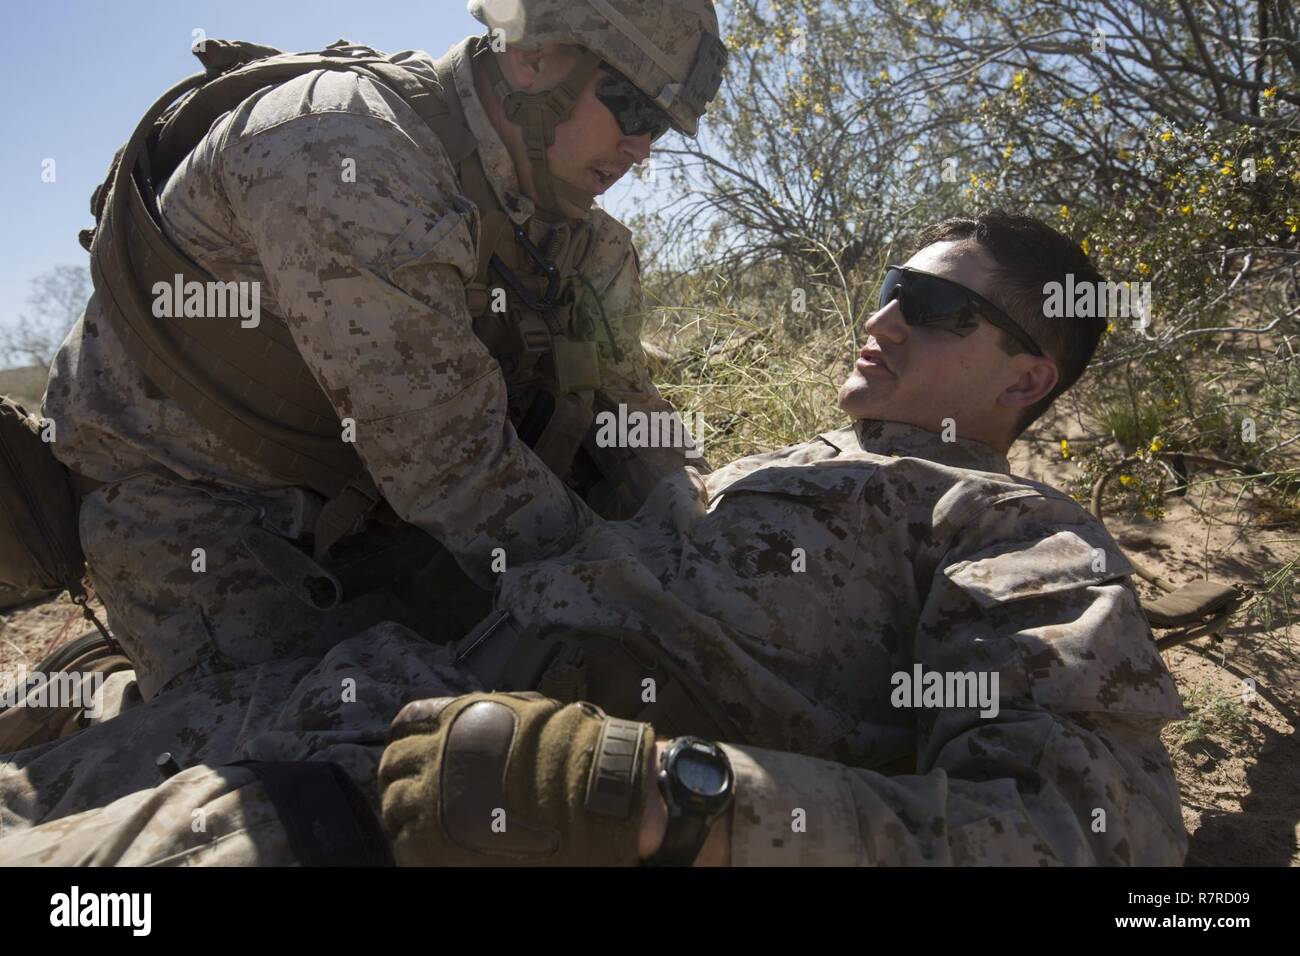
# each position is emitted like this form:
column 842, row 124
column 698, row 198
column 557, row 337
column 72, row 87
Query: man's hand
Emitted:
column 513, row 778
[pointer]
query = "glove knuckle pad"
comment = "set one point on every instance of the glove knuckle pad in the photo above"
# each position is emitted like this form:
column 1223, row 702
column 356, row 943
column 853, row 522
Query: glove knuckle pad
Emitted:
column 478, row 750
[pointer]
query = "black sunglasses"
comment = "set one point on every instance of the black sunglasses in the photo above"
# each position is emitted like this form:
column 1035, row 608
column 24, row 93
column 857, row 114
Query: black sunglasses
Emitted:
column 940, row 303
column 635, row 112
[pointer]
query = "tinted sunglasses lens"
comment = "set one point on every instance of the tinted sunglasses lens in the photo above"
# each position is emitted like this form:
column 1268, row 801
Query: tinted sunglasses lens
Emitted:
column 892, row 287
column 635, row 112
column 932, row 302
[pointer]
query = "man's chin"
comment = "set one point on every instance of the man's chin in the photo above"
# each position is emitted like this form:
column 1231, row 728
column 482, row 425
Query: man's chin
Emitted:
column 859, row 399
column 857, row 405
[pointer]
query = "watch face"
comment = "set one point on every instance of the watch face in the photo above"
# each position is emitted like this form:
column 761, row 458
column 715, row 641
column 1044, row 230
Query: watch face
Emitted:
column 700, row 774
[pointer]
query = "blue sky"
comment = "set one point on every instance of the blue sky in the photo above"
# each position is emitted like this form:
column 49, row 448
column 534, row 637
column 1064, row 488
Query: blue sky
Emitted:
column 78, row 74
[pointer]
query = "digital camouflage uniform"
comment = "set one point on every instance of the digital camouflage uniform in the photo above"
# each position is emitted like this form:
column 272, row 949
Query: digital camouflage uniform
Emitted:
column 790, row 586
column 370, row 277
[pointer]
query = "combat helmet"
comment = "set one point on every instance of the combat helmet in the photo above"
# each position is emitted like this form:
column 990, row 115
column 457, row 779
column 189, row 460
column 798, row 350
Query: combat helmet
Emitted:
column 670, row 50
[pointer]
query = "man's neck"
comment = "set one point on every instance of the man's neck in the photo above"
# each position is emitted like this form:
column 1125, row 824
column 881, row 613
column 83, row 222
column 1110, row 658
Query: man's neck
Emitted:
column 984, row 436
column 511, row 136
column 907, row 439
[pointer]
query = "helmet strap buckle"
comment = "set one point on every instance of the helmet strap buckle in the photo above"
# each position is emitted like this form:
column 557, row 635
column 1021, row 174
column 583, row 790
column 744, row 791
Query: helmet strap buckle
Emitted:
column 537, row 115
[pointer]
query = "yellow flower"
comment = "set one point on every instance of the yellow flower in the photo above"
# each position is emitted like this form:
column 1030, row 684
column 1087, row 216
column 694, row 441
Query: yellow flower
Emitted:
column 1293, row 221
column 884, row 75
column 1008, row 150
column 1069, row 103
column 1227, row 169
column 1204, row 189
column 1166, row 136
column 1185, row 210
column 1065, row 212
column 1085, row 247
column 1270, row 92
column 1018, row 81
column 1065, row 448
column 1126, row 480
column 1156, row 445
column 817, row 175
column 1144, row 268
column 818, row 109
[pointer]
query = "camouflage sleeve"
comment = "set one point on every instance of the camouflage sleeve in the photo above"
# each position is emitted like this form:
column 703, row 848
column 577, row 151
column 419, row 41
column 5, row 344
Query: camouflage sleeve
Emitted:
column 1067, row 768
column 625, row 381
column 367, row 248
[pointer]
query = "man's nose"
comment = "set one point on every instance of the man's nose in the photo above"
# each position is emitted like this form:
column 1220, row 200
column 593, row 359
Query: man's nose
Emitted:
column 888, row 325
column 637, row 147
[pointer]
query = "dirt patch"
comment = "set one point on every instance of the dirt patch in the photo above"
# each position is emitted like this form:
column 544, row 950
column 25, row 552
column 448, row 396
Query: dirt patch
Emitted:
column 28, row 634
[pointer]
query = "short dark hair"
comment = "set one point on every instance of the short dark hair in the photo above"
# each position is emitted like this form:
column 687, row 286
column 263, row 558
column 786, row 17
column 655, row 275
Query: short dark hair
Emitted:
column 1030, row 254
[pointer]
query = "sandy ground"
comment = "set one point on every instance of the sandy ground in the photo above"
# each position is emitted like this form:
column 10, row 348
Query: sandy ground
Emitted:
column 1238, row 761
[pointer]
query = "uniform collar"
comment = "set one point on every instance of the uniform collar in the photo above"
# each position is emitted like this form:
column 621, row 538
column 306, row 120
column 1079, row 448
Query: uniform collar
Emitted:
column 899, row 440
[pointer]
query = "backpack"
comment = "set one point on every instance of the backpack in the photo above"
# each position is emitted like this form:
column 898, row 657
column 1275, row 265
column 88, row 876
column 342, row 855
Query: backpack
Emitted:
column 40, row 548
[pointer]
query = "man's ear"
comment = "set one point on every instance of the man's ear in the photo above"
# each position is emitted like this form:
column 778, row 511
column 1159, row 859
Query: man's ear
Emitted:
column 1037, row 378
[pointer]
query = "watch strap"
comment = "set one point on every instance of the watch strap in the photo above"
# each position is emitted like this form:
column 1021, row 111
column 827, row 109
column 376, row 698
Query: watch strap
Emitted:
column 686, row 834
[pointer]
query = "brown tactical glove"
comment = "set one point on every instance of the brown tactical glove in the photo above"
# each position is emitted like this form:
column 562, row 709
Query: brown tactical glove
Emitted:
column 510, row 779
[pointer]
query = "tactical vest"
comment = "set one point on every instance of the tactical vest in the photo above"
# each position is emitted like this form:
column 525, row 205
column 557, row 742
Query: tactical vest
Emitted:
column 251, row 386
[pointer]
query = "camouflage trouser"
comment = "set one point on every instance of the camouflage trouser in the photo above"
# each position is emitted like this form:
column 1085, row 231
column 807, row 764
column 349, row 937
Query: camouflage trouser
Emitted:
column 97, row 797
column 185, row 597
column 205, row 816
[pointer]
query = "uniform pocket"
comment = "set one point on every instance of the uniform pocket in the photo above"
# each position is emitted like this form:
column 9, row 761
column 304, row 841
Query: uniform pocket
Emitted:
column 816, row 480
column 1063, row 561
column 449, row 240
column 774, row 553
column 1078, row 629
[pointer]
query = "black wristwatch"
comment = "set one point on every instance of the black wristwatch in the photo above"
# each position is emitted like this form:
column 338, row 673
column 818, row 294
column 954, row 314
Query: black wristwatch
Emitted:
column 696, row 781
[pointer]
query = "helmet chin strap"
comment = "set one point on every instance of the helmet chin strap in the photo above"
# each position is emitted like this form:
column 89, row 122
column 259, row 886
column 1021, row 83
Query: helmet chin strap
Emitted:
column 537, row 115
